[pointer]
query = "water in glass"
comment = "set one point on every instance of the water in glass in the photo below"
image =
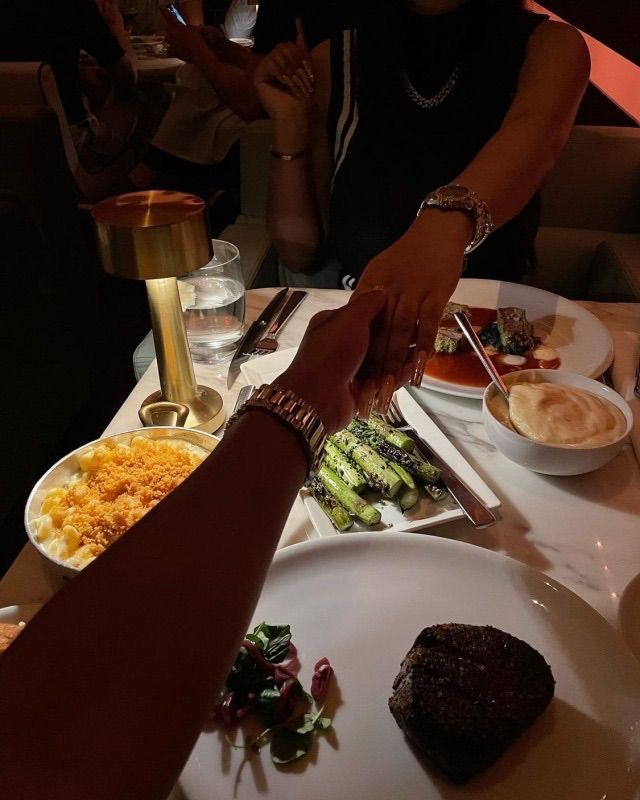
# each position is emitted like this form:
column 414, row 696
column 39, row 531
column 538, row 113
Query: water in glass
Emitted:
column 213, row 303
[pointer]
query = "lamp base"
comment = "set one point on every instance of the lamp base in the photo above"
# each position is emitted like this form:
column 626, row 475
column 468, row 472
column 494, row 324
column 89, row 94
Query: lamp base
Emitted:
column 206, row 412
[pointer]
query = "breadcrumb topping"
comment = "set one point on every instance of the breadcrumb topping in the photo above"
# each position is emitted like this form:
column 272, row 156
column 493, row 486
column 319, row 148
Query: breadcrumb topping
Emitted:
column 117, row 485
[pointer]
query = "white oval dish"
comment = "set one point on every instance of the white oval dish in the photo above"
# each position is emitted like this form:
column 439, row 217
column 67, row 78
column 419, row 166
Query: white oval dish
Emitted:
column 68, row 466
column 583, row 343
column 554, row 459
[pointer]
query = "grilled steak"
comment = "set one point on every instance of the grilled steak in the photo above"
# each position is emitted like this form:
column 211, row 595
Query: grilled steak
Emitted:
column 465, row 692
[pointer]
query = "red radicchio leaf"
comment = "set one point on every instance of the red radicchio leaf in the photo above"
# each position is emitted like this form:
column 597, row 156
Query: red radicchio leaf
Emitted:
column 321, row 678
column 256, row 655
column 292, row 703
column 229, row 711
column 289, row 667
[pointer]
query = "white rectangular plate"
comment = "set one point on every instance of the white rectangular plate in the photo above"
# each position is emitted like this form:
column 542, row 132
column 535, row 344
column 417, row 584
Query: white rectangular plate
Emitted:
column 425, row 513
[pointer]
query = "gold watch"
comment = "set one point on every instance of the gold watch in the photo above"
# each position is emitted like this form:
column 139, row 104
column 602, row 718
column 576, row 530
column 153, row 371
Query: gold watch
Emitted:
column 455, row 197
column 296, row 413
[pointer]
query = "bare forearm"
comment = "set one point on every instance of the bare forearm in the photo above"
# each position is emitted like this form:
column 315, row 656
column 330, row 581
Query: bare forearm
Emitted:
column 513, row 163
column 510, row 168
column 292, row 214
column 189, row 572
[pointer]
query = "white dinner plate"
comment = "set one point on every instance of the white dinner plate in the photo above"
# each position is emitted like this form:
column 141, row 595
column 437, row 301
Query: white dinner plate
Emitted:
column 582, row 341
column 629, row 616
column 361, row 601
column 425, row 513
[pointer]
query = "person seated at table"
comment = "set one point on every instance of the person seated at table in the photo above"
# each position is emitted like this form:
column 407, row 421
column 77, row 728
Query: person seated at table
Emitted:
column 216, row 95
column 455, row 109
column 190, row 149
column 39, row 30
column 105, row 691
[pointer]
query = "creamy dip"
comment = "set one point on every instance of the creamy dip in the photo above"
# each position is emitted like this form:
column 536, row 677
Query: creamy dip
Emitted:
column 556, row 414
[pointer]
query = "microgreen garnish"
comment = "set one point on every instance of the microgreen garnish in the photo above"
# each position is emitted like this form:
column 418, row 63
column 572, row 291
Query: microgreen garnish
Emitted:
column 263, row 682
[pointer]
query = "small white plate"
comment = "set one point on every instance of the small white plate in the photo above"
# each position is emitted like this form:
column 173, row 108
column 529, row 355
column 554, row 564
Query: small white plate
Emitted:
column 361, row 601
column 582, row 341
column 425, row 513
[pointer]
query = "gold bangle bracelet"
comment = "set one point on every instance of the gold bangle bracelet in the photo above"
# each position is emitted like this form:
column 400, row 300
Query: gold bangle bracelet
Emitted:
column 288, row 156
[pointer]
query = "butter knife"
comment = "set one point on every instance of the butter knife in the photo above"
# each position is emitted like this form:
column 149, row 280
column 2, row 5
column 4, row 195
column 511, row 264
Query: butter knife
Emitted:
column 256, row 330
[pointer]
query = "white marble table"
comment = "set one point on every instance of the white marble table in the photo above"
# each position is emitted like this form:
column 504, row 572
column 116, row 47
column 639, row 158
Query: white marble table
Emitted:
column 583, row 531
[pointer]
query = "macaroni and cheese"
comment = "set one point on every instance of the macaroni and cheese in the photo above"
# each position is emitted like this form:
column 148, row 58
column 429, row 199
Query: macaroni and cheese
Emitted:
column 116, row 485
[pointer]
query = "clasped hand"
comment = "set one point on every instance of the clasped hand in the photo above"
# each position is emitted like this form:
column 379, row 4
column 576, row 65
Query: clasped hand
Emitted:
column 284, row 79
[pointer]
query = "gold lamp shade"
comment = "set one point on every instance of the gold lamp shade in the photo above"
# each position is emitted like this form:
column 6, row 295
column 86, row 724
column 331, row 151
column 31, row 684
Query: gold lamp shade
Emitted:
column 152, row 234
column 156, row 236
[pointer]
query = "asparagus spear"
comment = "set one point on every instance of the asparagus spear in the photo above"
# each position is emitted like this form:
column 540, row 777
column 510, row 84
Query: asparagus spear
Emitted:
column 338, row 515
column 436, row 491
column 347, row 497
column 344, row 468
column 404, row 475
column 390, row 434
column 422, row 469
column 379, row 474
column 408, row 498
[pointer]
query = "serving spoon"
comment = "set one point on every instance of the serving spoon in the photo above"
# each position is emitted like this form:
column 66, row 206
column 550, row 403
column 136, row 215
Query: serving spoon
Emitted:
column 465, row 326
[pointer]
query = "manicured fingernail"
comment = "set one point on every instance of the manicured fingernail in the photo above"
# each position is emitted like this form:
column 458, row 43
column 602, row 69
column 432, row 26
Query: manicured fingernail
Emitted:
column 421, row 363
column 367, row 398
column 308, row 69
column 386, row 394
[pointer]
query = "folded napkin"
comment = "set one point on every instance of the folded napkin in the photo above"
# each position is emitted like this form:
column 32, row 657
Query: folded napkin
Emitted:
column 626, row 345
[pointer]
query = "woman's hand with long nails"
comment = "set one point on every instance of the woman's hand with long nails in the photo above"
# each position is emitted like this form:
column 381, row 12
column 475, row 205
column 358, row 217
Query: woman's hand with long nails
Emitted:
column 418, row 274
column 329, row 357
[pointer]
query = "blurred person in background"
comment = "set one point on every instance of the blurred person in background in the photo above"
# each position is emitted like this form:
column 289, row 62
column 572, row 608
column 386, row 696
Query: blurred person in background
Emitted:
column 455, row 109
column 215, row 95
column 56, row 33
column 191, row 148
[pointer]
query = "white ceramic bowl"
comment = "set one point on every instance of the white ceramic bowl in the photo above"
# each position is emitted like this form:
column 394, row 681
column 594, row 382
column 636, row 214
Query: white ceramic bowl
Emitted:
column 62, row 472
column 554, row 459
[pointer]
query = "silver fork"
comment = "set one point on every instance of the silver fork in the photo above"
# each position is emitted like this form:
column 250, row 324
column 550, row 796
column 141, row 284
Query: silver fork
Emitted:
column 269, row 343
column 478, row 514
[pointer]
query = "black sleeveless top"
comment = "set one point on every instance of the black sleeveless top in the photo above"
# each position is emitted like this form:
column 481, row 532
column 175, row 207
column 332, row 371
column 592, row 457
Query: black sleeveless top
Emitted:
column 390, row 152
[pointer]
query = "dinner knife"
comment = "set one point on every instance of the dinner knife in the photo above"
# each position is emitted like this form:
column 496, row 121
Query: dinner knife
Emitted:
column 478, row 514
column 474, row 509
column 253, row 335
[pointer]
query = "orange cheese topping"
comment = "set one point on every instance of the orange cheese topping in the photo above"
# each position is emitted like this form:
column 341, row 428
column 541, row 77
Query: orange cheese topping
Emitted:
column 117, row 486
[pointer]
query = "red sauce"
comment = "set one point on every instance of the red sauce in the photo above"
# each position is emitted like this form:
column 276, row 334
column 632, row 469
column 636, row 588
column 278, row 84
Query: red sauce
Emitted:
column 464, row 367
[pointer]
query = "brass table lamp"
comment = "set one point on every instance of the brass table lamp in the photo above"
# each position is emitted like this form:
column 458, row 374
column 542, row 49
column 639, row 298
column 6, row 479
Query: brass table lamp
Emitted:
column 155, row 236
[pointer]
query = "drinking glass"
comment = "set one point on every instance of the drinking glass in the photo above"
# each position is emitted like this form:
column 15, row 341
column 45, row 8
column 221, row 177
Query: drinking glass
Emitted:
column 212, row 301
column 129, row 11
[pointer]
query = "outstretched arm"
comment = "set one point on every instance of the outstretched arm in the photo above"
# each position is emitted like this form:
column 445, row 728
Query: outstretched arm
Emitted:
column 118, row 672
column 505, row 173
